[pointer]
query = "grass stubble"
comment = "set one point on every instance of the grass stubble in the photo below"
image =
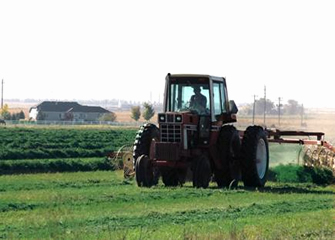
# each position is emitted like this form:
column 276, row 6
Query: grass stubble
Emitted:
column 102, row 205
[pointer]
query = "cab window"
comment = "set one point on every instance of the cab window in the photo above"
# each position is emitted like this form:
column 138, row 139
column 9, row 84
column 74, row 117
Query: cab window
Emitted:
column 219, row 98
column 182, row 94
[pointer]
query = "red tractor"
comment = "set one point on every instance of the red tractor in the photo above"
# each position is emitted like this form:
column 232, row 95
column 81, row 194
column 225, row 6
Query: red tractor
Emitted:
column 194, row 136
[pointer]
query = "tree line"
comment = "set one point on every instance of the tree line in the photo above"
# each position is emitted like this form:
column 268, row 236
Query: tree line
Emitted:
column 6, row 115
column 292, row 107
column 147, row 114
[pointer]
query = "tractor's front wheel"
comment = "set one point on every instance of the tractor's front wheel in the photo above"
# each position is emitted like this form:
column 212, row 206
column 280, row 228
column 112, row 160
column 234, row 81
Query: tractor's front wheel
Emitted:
column 144, row 137
column 143, row 140
column 255, row 157
column 144, row 172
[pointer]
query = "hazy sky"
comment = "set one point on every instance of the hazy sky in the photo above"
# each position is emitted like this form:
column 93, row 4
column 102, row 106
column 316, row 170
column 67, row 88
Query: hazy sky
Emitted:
column 123, row 49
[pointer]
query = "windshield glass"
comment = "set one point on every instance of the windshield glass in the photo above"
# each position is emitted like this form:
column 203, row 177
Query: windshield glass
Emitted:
column 189, row 97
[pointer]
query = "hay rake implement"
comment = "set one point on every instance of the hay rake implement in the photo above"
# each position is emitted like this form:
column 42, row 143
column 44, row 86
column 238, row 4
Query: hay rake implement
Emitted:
column 123, row 159
column 315, row 151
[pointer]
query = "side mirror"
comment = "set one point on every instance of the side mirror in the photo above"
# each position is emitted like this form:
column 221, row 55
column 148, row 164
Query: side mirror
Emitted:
column 232, row 107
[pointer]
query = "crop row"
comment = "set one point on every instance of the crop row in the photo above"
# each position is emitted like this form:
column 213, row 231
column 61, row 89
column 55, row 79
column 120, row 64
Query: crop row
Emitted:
column 56, row 165
column 35, row 143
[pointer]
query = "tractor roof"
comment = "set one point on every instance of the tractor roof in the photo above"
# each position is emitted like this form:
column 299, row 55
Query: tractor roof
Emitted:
column 196, row 76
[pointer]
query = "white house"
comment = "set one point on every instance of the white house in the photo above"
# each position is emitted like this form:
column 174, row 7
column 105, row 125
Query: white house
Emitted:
column 65, row 111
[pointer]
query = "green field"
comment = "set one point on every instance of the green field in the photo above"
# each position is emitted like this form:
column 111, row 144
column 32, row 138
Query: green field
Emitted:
column 69, row 197
column 64, row 149
column 60, row 149
column 102, row 205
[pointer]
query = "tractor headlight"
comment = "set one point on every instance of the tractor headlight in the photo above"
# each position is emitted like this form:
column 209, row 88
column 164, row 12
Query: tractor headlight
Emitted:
column 178, row 118
column 161, row 118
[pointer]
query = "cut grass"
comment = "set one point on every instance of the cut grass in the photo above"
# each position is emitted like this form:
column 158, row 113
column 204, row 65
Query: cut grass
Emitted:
column 294, row 173
column 102, row 205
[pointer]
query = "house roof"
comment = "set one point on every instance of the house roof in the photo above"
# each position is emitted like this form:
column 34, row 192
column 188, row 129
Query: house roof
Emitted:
column 55, row 106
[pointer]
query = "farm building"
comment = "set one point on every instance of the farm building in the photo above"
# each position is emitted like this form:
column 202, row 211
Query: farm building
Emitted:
column 65, row 111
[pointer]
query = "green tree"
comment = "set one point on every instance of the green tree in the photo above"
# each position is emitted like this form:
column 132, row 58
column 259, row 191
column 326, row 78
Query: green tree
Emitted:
column 270, row 107
column 108, row 117
column 22, row 115
column 5, row 114
column 148, row 112
column 14, row 116
column 136, row 112
column 18, row 116
column 292, row 107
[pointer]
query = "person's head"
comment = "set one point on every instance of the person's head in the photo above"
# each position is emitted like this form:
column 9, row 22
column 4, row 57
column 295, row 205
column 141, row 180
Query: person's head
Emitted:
column 196, row 89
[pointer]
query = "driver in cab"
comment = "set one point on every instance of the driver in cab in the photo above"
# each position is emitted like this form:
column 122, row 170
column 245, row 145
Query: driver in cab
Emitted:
column 198, row 101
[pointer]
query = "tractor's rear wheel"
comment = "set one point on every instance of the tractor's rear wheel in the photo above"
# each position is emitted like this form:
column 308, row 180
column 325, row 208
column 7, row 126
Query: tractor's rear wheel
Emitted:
column 144, row 172
column 255, row 157
column 229, row 147
column 201, row 172
column 147, row 133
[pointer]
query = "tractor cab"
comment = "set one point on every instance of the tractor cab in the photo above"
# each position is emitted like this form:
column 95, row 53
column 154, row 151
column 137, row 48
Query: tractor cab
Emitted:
column 201, row 95
column 194, row 104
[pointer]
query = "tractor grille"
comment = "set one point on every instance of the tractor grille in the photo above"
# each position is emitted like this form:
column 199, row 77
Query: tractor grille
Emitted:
column 170, row 133
column 170, row 118
column 167, row 151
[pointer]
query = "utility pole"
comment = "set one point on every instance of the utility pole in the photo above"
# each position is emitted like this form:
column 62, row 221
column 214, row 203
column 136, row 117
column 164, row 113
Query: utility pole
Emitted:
column 264, row 105
column 2, row 94
column 279, row 105
column 254, row 110
column 302, row 115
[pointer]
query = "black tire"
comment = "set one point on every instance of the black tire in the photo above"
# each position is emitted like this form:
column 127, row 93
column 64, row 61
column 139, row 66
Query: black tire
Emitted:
column 229, row 148
column 255, row 157
column 144, row 172
column 143, row 140
column 138, row 176
column 142, row 143
column 201, row 172
column 170, row 177
column 173, row 177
